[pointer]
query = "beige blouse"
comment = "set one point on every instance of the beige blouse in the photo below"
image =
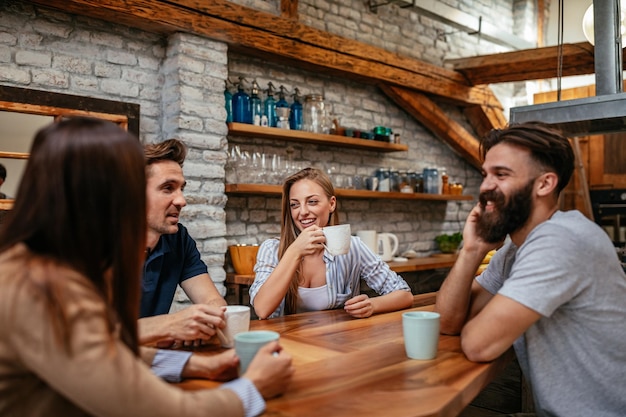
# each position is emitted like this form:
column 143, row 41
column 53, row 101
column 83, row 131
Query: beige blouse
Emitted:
column 38, row 377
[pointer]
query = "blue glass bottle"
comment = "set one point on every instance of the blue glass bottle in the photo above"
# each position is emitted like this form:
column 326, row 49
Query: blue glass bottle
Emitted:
column 282, row 102
column 255, row 105
column 269, row 106
column 295, row 117
column 241, row 105
column 228, row 101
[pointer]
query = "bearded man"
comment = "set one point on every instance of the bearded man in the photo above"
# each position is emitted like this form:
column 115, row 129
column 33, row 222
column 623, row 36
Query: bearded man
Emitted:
column 555, row 291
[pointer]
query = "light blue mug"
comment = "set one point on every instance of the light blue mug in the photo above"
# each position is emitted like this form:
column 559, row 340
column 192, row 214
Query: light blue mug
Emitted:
column 421, row 334
column 247, row 344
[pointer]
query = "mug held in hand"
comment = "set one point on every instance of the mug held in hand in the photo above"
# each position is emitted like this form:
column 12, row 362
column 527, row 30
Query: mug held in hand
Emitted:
column 247, row 344
column 337, row 239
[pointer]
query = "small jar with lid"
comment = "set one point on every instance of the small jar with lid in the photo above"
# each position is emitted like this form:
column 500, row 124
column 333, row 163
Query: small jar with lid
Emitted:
column 405, row 182
column 431, row 180
column 411, row 177
column 394, row 180
column 313, row 113
column 383, row 175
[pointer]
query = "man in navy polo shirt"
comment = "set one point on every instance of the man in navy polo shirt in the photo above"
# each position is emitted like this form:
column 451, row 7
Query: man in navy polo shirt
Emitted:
column 173, row 259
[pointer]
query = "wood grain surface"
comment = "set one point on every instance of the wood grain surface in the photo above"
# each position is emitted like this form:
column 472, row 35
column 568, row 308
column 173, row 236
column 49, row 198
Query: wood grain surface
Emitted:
column 348, row 367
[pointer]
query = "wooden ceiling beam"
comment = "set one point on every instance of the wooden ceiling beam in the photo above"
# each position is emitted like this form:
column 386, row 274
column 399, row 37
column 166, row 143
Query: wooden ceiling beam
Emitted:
column 267, row 35
column 429, row 114
column 485, row 118
column 529, row 64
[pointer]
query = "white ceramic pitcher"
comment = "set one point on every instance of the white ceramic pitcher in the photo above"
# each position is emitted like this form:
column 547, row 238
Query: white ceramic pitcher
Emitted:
column 387, row 246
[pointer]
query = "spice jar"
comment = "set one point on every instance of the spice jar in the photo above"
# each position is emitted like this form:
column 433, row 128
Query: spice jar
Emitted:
column 313, row 113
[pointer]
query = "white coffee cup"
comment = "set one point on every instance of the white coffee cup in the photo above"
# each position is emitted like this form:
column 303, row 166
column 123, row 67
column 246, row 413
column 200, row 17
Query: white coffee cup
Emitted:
column 237, row 321
column 370, row 238
column 337, row 239
column 421, row 334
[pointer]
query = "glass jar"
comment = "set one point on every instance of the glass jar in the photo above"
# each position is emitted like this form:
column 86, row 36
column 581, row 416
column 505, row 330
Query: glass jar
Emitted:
column 405, row 183
column 313, row 113
column 394, row 180
column 383, row 179
column 431, row 180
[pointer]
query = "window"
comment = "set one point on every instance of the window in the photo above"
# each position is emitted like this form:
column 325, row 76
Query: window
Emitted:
column 24, row 111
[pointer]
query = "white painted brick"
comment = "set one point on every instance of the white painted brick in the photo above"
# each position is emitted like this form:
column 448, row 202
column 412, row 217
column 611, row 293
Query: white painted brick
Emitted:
column 120, row 57
column 35, row 59
column 7, row 38
column 15, row 75
column 50, row 78
column 5, row 54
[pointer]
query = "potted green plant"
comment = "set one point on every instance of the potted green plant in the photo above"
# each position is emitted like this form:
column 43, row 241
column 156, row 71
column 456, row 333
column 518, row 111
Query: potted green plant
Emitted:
column 449, row 243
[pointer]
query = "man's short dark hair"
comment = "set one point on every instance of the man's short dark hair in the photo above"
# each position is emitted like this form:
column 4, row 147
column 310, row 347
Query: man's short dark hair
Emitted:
column 548, row 147
column 168, row 150
column 3, row 172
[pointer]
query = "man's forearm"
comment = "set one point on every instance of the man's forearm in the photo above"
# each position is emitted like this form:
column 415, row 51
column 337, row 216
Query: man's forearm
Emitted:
column 151, row 329
column 454, row 297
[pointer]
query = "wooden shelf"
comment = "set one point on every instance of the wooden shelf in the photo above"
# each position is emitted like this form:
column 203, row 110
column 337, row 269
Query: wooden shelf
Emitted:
column 276, row 190
column 243, row 129
column 424, row 264
column 415, row 264
column 6, row 204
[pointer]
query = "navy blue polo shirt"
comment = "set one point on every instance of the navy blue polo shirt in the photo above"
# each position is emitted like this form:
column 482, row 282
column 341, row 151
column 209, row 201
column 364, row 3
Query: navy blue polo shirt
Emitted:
column 174, row 259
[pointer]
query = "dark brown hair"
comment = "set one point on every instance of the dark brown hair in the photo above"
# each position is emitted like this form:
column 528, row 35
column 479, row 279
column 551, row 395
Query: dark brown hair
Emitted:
column 168, row 150
column 288, row 230
column 548, row 147
column 81, row 202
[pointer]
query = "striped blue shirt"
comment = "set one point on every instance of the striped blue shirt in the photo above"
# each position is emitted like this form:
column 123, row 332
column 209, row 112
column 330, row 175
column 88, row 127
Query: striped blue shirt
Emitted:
column 343, row 273
column 169, row 364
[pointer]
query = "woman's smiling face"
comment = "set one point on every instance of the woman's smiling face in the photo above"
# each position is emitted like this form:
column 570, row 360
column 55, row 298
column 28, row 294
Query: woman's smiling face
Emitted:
column 310, row 205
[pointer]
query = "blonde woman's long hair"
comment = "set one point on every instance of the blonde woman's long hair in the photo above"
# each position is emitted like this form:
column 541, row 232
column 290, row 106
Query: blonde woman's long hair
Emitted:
column 288, row 230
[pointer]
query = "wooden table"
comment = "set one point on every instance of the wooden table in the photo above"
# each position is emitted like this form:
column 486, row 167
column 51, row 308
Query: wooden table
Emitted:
column 358, row 367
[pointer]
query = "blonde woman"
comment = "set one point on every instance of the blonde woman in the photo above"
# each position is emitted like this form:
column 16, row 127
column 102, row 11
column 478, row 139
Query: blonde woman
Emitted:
column 295, row 273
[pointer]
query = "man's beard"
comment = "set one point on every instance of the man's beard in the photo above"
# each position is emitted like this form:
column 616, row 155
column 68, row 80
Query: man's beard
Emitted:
column 507, row 216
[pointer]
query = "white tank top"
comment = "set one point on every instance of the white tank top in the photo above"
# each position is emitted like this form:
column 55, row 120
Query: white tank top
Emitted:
column 313, row 299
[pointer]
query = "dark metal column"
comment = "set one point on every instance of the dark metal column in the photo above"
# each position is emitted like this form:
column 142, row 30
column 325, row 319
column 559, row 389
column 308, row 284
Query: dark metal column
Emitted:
column 608, row 46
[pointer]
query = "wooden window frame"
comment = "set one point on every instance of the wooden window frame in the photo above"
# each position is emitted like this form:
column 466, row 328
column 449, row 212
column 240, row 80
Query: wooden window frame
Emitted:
column 59, row 105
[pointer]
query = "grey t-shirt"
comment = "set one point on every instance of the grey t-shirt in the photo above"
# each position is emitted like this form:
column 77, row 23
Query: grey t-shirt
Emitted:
column 574, row 357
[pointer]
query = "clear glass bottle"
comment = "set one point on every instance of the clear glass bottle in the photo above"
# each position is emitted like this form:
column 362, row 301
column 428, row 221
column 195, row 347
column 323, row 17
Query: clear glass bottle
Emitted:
column 313, row 113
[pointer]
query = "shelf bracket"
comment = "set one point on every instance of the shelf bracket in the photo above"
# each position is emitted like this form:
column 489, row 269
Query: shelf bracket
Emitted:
column 373, row 5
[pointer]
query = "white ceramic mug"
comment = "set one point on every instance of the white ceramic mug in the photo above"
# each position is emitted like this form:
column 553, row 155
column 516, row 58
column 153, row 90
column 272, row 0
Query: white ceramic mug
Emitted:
column 387, row 246
column 421, row 334
column 370, row 238
column 237, row 321
column 337, row 239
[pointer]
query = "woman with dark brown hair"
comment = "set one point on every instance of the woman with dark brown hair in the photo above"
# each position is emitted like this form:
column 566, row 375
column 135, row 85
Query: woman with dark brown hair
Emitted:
column 71, row 253
column 295, row 273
